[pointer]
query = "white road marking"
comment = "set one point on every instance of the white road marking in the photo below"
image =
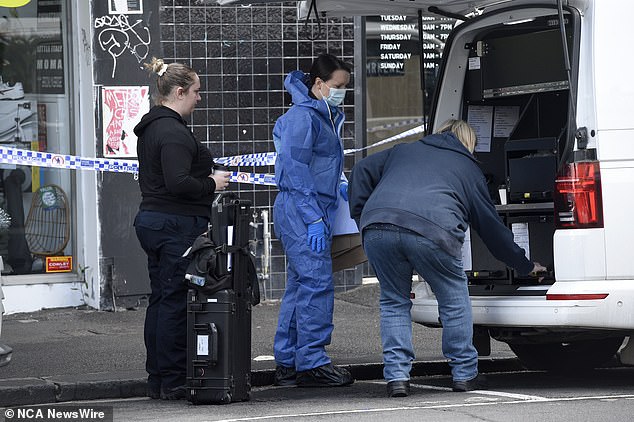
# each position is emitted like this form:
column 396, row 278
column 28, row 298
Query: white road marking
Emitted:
column 509, row 395
column 429, row 387
column 477, row 399
column 439, row 406
column 263, row 357
column 483, row 392
column 418, row 386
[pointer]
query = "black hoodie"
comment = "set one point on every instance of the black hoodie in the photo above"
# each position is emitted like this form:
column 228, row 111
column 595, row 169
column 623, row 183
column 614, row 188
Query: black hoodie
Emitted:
column 173, row 166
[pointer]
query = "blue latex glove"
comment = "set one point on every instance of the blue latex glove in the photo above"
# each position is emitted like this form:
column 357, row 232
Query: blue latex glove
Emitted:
column 317, row 236
column 343, row 188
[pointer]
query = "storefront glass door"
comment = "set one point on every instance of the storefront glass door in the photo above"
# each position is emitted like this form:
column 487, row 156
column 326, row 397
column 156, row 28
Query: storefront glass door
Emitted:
column 35, row 202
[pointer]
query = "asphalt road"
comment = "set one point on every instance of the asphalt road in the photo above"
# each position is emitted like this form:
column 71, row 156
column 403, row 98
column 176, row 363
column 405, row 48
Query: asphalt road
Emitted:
column 600, row 395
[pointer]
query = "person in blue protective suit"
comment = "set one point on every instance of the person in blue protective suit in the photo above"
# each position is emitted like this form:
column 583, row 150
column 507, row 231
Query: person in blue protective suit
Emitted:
column 308, row 172
column 413, row 203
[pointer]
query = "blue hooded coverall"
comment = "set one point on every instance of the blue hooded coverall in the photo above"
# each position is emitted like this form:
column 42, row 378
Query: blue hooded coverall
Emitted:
column 307, row 172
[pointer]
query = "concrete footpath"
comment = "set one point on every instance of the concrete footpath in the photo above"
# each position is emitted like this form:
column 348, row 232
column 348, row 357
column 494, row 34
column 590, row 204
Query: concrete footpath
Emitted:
column 70, row 354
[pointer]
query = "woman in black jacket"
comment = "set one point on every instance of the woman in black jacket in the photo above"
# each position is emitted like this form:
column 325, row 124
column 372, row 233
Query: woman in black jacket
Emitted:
column 414, row 203
column 177, row 190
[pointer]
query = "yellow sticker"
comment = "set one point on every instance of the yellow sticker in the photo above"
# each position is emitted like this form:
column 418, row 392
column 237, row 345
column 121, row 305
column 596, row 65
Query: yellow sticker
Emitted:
column 59, row 264
column 13, row 3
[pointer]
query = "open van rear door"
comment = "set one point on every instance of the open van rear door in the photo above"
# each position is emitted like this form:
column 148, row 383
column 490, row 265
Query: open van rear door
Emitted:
column 327, row 8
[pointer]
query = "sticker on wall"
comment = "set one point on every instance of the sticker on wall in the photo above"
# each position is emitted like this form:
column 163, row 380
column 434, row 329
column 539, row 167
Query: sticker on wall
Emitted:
column 49, row 197
column 59, row 264
column 125, row 7
column 123, row 107
column 13, row 3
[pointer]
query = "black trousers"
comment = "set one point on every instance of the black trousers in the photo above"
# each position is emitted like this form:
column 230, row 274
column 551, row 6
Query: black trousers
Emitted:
column 19, row 256
column 164, row 238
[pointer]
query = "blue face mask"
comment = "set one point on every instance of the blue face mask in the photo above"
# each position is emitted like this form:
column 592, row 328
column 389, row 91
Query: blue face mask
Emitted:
column 335, row 97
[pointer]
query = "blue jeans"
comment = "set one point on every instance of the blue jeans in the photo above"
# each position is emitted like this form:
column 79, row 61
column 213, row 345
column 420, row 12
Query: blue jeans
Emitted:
column 164, row 238
column 394, row 253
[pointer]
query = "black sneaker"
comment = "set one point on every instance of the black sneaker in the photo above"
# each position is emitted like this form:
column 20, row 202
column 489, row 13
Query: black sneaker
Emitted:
column 153, row 392
column 284, row 376
column 477, row 383
column 176, row 393
column 327, row 375
column 398, row 389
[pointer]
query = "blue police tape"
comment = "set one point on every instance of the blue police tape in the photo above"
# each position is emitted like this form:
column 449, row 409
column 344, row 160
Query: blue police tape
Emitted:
column 260, row 159
column 395, row 124
column 413, row 131
column 268, row 158
column 23, row 157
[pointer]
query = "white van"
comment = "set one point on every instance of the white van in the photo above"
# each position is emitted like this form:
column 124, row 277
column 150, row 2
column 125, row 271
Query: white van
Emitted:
column 562, row 145
column 557, row 136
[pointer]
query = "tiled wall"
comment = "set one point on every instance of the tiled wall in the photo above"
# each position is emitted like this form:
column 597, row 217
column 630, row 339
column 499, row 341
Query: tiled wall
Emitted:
column 242, row 55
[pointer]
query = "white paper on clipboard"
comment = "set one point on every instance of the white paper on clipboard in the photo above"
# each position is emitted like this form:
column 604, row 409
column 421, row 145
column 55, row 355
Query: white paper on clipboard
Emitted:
column 343, row 223
column 467, row 264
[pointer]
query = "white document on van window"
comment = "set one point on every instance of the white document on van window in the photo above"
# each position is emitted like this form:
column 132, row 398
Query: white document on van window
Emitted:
column 481, row 120
column 467, row 264
column 520, row 236
column 505, row 119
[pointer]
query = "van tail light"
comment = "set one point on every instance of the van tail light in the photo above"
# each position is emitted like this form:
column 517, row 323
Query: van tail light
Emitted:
column 577, row 198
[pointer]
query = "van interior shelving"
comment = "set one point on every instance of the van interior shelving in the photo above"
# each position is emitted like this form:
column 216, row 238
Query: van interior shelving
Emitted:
column 519, row 68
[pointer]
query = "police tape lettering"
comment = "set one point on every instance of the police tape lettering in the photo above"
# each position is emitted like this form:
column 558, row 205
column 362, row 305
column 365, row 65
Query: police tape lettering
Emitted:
column 23, row 157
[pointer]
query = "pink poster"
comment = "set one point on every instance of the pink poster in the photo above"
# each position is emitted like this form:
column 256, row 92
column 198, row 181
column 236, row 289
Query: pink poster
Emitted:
column 123, row 107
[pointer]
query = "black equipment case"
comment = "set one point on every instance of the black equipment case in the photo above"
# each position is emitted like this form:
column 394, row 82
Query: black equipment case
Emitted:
column 219, row 322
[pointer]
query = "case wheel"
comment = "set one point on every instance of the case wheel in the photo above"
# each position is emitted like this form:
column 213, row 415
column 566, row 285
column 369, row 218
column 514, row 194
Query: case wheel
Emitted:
column 226, row 399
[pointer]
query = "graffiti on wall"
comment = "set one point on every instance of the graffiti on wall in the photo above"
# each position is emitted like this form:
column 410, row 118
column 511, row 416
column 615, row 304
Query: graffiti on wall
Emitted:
column 116, row 36
column 123, row 107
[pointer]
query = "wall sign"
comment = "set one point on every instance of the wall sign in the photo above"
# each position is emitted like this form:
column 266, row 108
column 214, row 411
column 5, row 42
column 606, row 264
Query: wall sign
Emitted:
column 49, row 52
column 59, row 264
column 394, row 39
column 123, row 107
column 125, row 7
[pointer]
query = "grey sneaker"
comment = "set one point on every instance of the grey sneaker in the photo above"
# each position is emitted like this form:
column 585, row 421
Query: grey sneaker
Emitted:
column 14, row 92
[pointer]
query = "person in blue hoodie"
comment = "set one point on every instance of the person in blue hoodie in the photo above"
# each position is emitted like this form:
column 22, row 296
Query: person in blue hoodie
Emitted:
column 308, row 172
column 413, row 204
